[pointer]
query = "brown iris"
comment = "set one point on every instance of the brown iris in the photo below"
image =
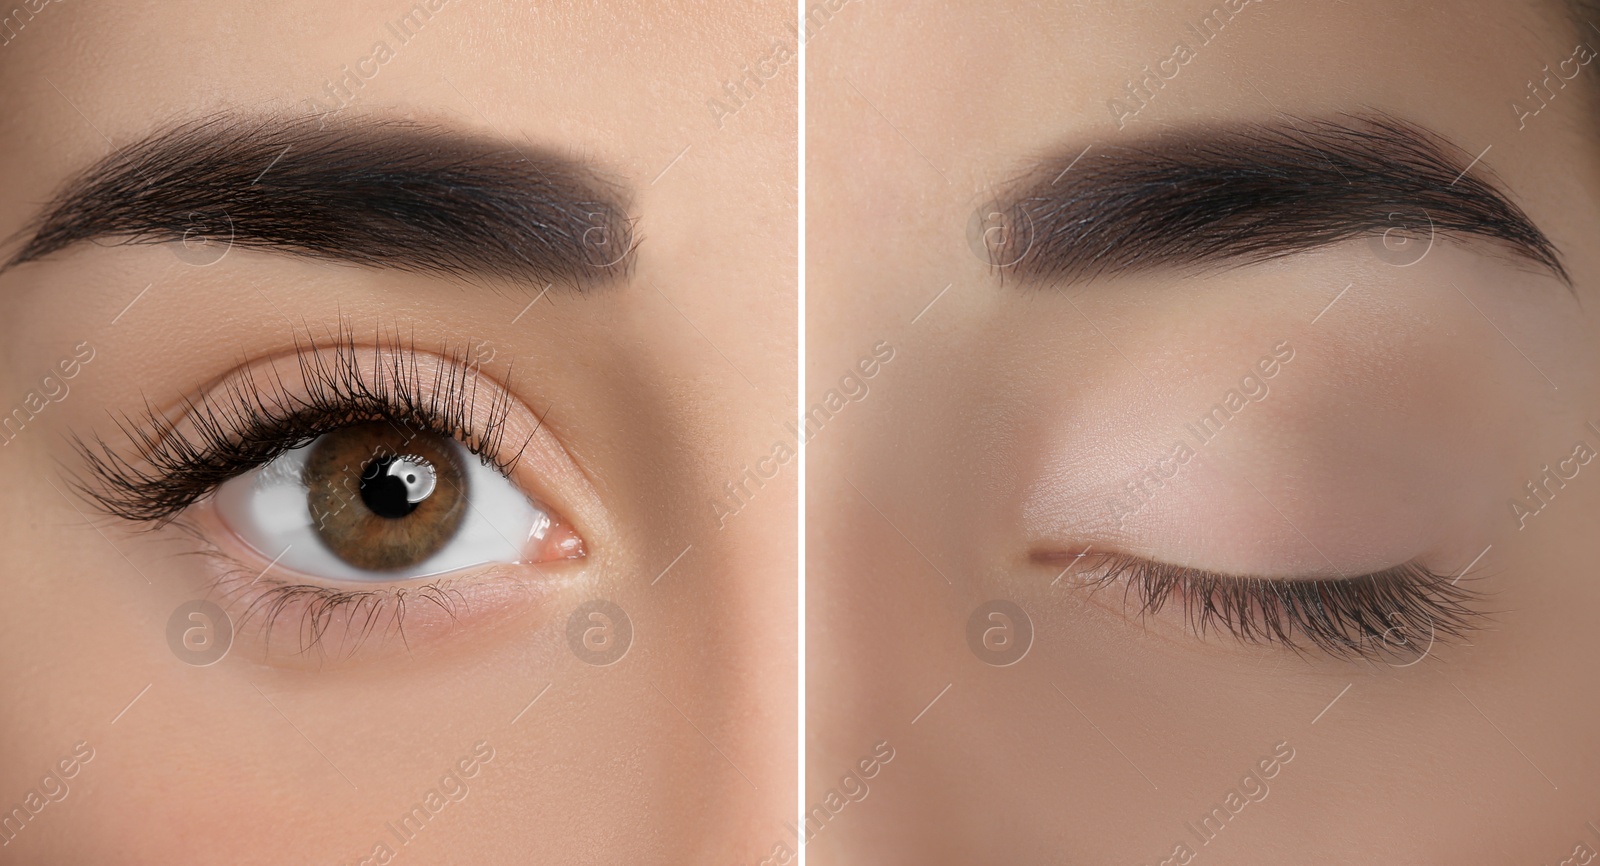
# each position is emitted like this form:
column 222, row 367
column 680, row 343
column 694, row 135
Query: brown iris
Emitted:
column 383, row 498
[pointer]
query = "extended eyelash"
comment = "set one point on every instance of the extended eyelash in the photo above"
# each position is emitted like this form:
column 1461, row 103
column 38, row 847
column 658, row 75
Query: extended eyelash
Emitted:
column 1392, row 612
column 250, row 423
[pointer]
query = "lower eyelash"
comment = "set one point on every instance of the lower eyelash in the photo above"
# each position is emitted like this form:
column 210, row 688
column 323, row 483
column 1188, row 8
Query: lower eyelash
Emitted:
column 1389, row 613
column 353, row 615
column 362, row 611
column 262, row 602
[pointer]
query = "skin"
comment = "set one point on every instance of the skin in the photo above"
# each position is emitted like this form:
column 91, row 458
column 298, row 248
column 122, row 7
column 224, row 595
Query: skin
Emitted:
column 1406, row 422
column 658, row 391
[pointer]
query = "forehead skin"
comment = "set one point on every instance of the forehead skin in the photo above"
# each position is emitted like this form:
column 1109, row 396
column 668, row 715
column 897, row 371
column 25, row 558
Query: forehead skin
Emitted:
column 602, row 767
column 1037, row 76
column 913, row 118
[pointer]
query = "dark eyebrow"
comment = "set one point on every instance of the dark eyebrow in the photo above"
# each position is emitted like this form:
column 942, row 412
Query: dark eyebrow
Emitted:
column 1214, row 196
column 372, row 192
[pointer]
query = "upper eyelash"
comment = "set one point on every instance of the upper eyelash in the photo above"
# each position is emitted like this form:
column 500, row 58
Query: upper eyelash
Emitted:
column 1369, row 616
column 251, row 423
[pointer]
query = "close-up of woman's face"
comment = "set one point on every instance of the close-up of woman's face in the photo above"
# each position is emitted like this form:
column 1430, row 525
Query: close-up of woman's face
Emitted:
column 833, row 432
column 372, row 374
column 1227, row 497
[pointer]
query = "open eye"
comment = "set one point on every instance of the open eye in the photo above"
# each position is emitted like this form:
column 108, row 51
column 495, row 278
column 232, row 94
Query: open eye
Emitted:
column 376, row 502
column 346, row 491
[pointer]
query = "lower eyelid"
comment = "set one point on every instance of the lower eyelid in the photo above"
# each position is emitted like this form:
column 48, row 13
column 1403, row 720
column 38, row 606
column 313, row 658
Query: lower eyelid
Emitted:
column 293, row 621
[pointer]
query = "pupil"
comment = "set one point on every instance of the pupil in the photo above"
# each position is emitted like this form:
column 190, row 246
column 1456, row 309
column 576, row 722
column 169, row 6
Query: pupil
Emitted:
column 385, row 494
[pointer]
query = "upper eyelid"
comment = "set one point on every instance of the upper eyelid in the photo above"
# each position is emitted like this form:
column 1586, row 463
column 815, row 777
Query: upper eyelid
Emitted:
column 1132, row 560
column 1083, row 563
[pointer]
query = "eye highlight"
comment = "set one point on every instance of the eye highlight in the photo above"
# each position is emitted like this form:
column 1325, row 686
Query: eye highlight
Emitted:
column 1399, row 612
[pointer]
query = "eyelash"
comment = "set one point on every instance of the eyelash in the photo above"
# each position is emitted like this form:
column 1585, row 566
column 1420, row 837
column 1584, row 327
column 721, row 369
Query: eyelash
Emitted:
column 1374, row 616
column 251, row 422
column 363, row 610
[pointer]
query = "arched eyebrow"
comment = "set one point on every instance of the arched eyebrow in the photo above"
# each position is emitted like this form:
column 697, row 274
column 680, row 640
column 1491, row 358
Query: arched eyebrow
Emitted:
column 371, row 192
column 1222, row 195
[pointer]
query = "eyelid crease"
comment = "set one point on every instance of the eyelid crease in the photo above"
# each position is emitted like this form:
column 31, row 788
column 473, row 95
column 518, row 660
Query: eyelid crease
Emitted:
column 250, row 423
column 1369, row 616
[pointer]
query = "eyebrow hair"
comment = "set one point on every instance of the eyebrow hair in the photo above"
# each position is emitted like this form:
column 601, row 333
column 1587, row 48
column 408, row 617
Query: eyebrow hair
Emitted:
column 371, row 192
column 1214, row 196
